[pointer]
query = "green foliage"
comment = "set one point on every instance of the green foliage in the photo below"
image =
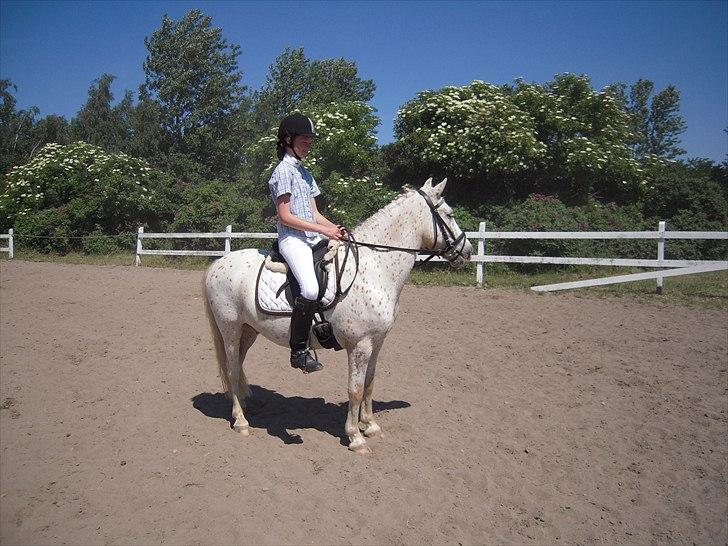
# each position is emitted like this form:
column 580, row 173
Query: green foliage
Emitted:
column 295, row 82
column 212, row 205
column 101, row 124
column 79, row 189
column 46, row 230
column 192, row 73
column 654, row 121
column 547, row 213
column 98, row 243
column 21, row 135
column 561, row 138
column 350, row 200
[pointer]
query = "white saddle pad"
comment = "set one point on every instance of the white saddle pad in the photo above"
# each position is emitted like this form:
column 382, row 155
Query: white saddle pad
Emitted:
column 270, row 283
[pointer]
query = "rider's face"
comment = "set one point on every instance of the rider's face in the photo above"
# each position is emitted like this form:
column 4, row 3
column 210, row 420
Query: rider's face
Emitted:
column 302, row 144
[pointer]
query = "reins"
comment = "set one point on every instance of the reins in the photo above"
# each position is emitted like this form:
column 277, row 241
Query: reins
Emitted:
column 449, row 252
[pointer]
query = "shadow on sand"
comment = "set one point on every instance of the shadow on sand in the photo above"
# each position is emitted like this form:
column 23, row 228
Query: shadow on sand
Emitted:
column 270, row 410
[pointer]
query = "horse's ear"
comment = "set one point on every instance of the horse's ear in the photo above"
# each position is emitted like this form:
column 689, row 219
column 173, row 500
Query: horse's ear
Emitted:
column 428, row 184
column 440, row 188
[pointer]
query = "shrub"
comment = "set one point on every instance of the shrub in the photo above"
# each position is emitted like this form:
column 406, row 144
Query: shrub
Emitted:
column 547, row 213
column 82, row 189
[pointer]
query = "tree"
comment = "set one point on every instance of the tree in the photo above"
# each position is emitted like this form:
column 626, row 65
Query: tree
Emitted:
column 98, row 122
column 192, row 72
column 654, row 120
column 16, row 128
column 147, row 136
column 296, row 83
column 504, row 143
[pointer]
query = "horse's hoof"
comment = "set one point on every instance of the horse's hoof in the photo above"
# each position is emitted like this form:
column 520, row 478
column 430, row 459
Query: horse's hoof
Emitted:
column 359, row 445
column 242, row 429
column 372, row 429
column 361, row 450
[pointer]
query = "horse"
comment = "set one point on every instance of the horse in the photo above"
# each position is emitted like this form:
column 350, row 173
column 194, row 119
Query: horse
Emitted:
column 417, row 220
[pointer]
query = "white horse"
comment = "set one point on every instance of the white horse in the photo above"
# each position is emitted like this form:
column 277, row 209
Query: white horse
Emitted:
column 417, row 220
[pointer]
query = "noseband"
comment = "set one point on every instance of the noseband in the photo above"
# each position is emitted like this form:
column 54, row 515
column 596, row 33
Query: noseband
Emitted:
column 450, row 252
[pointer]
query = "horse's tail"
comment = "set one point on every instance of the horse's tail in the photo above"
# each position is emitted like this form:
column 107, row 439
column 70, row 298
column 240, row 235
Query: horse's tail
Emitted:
column 218, row 341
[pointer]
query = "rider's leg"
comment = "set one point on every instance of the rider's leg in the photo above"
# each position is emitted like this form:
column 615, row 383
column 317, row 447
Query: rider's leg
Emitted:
column 299, row 256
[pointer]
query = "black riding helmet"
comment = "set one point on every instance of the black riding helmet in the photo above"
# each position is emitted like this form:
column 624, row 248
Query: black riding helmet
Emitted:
column 291, row 126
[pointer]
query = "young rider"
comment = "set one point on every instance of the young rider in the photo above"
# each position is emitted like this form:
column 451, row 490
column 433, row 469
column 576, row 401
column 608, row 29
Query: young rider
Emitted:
column 300, row 225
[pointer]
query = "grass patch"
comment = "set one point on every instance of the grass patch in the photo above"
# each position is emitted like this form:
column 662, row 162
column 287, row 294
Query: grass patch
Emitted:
column 708, row 290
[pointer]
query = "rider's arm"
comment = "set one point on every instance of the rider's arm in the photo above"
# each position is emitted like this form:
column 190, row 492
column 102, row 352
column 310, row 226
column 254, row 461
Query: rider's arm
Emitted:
column 283, row 205
column 320, row 218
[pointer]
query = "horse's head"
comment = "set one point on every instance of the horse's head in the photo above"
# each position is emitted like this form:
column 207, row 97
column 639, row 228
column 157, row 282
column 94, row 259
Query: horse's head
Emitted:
column 446, row 236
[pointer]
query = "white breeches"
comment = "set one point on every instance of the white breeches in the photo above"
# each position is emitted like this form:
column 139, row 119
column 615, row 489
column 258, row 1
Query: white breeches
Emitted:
column 299, row 256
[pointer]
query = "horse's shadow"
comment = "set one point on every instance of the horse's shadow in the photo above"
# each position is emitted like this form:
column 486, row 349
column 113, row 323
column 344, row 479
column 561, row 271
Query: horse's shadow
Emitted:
column 276, row 413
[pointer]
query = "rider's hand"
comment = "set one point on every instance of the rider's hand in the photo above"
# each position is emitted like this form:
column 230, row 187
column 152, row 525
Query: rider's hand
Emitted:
column 332, row 232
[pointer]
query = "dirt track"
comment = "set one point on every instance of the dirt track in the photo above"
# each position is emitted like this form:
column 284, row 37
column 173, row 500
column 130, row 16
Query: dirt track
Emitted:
column 508, row 417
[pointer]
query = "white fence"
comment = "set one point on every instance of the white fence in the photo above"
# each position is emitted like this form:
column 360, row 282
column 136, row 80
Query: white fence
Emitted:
column 9, row 249
column 678, row 267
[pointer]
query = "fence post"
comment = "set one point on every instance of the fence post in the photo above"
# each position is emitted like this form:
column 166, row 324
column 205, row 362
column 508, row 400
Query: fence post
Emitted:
column 138, row 259
column 10, row 244
column 660, row 252
column 228, row 230
column 480, row 267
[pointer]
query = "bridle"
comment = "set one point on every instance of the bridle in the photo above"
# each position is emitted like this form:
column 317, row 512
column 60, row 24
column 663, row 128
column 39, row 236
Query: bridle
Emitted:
column 451, row 252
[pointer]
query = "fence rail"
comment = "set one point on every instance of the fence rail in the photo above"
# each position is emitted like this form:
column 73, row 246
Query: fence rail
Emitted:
column 680, row 267
column 9, row 249
column 480, row 258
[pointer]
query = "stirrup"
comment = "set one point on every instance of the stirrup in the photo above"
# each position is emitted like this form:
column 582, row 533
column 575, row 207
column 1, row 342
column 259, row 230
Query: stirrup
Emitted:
column 304, row 362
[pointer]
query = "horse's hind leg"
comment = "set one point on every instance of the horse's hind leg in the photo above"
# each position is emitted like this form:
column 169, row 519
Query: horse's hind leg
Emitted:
column 366, row 417
column 235, row 351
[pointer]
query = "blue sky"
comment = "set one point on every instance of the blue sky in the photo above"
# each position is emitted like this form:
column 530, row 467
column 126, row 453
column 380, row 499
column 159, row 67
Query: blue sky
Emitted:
column 54, row 50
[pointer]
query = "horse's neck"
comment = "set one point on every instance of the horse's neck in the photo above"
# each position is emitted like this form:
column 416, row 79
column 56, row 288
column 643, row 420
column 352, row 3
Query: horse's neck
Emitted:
column 397, row 224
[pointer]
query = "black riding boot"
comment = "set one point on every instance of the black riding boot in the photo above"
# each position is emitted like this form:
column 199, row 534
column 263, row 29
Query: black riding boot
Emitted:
column 303, row 312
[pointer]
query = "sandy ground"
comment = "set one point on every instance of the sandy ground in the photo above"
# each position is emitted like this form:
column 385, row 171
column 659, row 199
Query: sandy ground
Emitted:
column 508, row 417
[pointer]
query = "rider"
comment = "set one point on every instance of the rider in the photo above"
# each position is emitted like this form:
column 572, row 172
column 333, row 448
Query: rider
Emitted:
column 300, row 225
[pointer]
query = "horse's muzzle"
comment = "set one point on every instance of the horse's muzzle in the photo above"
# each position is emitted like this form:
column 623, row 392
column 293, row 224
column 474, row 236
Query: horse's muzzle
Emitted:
column 458, row 257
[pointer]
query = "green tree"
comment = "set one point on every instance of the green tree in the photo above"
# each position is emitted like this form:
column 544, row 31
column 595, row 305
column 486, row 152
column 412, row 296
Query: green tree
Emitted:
column 654, row 120
column 16, row 128
column 192, row 73
column 100, row 123
column 503, row 143
column 51, row 128
column 295, row 82
column 147, row 138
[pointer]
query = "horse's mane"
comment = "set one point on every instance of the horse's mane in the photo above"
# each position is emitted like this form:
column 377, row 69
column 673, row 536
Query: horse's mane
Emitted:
column 372, row 220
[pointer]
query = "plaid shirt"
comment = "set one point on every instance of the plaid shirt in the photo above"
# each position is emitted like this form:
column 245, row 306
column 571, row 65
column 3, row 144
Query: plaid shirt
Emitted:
column 290, row 176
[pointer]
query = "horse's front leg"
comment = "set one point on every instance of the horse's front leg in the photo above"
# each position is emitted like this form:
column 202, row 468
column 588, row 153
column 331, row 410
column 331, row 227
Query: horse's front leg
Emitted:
column 358, row 361
column 366, row 417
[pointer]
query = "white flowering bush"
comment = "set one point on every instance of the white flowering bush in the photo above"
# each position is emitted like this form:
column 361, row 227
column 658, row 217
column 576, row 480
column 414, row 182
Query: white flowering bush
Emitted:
column 469, row 130
column 71, row 191
column 503, row 143
column 350, row 200
column 586, row 133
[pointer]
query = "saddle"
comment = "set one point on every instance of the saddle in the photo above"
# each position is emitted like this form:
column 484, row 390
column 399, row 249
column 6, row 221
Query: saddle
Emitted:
column 276, row 288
